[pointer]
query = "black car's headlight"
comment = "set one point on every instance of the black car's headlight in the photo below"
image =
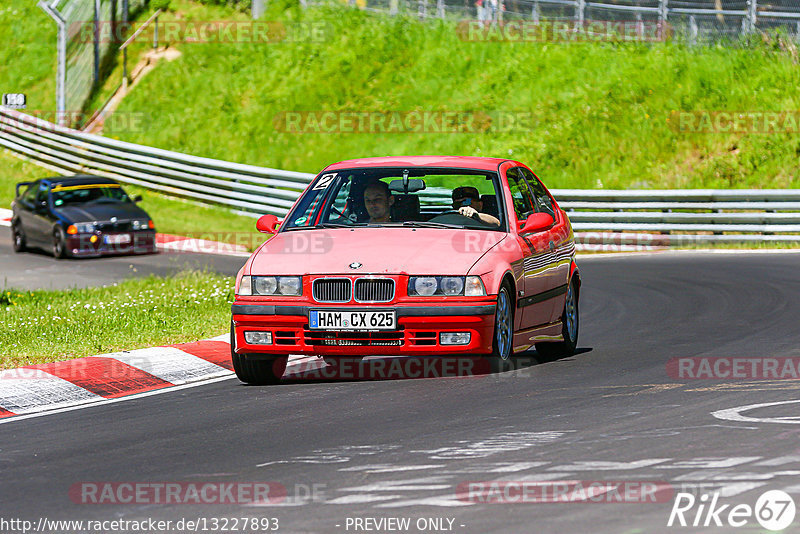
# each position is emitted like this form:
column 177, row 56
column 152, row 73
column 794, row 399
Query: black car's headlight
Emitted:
column 446, row 286
column 142, row 224
column 288, row 286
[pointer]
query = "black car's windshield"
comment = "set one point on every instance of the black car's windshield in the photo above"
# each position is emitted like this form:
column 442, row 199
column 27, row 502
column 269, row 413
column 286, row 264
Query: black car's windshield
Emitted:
column 79, row 194
column 416, row 197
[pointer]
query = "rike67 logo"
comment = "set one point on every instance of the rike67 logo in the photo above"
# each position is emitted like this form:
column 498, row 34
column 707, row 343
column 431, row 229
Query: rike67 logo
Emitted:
column 774, row 510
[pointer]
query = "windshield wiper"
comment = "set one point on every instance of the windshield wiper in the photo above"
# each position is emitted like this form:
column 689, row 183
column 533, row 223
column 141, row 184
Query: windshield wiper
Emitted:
column 337, row 225
column 428, row 224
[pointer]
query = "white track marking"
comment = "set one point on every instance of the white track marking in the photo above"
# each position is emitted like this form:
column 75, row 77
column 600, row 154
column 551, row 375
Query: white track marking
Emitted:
column 363, row 498
column 507, row 442
column 38, row 390
column 735, row 414
column 516, row 467
column 710, row 463
column 607, row 466
column 447, row 501
column 385, row 468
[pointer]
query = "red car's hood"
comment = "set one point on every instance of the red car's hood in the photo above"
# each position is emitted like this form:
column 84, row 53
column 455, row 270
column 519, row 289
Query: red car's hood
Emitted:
column 414, row 251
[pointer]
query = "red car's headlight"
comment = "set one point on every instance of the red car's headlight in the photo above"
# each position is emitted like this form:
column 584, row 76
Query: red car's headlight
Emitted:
column 446, row 286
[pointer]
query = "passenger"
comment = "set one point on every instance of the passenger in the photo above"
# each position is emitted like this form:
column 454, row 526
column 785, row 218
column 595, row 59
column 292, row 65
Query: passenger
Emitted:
column 468, row 202
column 378, row 201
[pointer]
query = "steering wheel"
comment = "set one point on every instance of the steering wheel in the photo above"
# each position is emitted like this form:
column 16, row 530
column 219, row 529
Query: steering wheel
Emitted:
column 451, row 213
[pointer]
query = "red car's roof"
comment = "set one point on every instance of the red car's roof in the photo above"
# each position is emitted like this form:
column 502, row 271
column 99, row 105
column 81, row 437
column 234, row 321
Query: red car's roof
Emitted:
column 459, row 162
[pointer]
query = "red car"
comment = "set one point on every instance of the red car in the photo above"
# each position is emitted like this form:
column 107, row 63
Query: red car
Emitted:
column 422, row 255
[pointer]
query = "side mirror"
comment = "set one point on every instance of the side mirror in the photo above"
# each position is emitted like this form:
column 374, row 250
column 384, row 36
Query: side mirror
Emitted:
column 267, row 224
column 536, row 222
column 42, row 205
column 137, row 198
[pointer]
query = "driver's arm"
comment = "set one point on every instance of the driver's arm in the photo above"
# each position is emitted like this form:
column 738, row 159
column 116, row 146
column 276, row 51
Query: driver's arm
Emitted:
column 485, row 218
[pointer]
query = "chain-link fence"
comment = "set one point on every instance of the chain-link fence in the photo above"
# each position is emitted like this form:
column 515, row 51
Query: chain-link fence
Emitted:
column 694, row 19
column 89, row 34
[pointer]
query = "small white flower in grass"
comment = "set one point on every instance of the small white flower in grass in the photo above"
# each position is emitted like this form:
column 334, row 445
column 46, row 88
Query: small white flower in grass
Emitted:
column 87, row 306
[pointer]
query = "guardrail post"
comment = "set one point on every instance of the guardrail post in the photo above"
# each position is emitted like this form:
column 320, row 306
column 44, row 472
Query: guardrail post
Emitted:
column 580, row 11
column 535, row 12
column 257, row 9
column 440, row 7
column 155, row 35
column 662, row 18
column 96, row 37
column 124, row 70
column 752, row 6
column 692, row 30
column 393, row 7
column 422, row 8
column 61, row 69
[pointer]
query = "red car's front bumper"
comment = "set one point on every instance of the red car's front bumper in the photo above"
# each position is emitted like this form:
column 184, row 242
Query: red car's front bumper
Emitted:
column 417, row 333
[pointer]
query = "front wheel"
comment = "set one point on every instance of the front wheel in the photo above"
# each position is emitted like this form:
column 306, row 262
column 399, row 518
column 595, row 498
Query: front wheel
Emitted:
column 569, row 329
column 503, row 329
column 257, row 369
column 18, row 238
column 59, row 243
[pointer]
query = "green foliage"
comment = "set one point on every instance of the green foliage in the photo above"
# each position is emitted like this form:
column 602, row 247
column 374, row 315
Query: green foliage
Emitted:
column 588, row 114
column 160, row 4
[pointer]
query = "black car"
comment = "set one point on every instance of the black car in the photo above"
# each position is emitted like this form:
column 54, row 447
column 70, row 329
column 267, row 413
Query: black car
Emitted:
column 80, row 216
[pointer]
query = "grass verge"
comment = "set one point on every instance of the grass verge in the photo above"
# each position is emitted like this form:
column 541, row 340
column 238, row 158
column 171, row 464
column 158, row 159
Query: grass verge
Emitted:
column 45, row 326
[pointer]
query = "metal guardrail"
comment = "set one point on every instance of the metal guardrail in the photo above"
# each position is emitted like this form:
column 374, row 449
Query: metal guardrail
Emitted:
column 235, row 185
column 668, row 216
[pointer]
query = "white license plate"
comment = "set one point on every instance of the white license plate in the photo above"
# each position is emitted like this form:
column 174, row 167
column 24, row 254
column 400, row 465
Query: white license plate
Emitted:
column 117, row 239
column 352, row 320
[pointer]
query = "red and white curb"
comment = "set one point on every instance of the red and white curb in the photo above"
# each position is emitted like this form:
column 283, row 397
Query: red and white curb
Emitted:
column 5, row 217
column 81, row 382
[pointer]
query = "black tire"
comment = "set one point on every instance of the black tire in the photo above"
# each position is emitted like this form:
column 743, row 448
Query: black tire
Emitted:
column 257, row 369
column 569, row 329
column 59, row 243
column 503, row 334
column 18, row 238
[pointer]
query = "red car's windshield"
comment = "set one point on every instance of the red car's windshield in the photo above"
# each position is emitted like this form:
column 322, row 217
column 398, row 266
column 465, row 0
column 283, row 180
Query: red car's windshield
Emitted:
column 435, row 197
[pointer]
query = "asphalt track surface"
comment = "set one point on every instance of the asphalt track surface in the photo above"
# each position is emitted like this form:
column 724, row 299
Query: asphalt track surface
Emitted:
column 36, row 269
column 400, row 448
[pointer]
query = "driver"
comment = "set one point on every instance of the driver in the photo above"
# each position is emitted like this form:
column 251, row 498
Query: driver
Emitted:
column 468, row 202
column 378, row 200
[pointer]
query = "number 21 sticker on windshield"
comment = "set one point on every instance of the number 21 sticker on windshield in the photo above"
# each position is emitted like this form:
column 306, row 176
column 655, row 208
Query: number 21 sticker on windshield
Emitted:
column 324, row 181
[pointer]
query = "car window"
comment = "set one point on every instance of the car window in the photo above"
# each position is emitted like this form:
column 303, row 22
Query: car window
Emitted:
column 41, row 194
column 29, row 196
column 523, row 199
column 394, row 196
column 77, row 194
column 342, row 209
column 543, row 202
